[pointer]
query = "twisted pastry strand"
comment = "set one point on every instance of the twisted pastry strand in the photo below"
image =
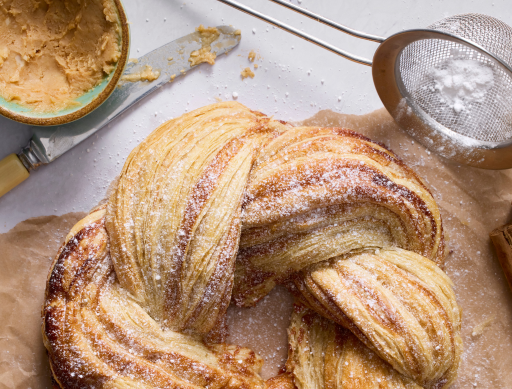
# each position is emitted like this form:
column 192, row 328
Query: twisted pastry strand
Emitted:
column 398, row 303
column 174, row 220
column 317, row 193
column 324, row 355
column 97, row 335
column 224, row 203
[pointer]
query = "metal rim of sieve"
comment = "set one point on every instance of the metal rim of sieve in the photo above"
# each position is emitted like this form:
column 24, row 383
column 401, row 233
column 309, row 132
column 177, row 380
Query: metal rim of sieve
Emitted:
column 429, row 132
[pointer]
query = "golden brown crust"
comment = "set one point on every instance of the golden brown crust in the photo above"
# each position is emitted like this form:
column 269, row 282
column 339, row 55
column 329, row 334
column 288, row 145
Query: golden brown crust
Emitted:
column 317, row 193
column 97, row 336
column 282, row 381
column 138, row 293
column 325, row 355
column 169, row 251
column 398, row 303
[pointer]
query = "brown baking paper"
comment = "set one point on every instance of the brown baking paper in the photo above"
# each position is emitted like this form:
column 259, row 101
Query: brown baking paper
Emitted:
column 26, row 253
column 473, row 202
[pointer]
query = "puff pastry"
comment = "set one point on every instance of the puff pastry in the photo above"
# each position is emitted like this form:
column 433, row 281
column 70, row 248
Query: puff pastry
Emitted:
column 174, row 220
column 97, row 335
column 316, row 193
column 398, row 303
column 325, row 355
column 222, row 204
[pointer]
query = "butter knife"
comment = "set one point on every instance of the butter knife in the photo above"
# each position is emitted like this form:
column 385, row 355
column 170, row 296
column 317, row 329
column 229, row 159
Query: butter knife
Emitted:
column 49, row 143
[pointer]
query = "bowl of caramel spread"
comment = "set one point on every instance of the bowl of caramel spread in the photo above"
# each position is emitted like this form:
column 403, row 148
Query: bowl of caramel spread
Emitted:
column 59, row 59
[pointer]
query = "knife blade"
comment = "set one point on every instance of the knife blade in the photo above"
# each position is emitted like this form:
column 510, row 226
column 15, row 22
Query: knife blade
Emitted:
column 49, row 143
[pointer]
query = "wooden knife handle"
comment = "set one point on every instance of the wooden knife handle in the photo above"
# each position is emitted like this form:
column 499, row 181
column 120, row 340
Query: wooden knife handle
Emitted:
column 502, row 239
column 12, row 173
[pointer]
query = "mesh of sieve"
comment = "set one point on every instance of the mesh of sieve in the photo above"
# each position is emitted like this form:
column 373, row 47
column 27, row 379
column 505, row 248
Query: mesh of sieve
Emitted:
column 488, row 119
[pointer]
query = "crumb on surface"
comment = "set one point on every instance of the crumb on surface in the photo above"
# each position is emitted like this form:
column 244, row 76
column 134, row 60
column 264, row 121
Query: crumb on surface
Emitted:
column 247, row 72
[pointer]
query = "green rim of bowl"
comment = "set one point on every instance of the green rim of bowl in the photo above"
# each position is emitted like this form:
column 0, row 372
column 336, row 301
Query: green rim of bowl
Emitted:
column 89, row 101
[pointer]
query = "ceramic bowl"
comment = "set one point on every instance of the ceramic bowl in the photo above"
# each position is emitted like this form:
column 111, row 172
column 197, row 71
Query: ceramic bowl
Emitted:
column 88, row 101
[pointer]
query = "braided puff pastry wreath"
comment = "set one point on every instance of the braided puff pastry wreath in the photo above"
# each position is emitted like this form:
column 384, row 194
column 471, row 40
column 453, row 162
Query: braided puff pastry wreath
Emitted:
column 224, row 203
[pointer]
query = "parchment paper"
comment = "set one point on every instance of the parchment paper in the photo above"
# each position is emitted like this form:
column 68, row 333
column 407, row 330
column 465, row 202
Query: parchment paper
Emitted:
column 473, row 202
column 26, row 253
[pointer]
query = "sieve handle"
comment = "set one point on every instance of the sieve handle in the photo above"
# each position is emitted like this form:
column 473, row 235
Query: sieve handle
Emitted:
column 330, row 23
column 305, row 36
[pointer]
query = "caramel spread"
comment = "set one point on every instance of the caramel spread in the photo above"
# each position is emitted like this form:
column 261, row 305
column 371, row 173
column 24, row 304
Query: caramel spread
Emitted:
column 53, row 51
column 204, row 54
column 148, row 74
column 247, row 72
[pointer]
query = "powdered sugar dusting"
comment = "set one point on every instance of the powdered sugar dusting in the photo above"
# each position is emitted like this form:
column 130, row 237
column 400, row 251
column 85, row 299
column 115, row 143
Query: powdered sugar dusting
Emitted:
column 462, row 82
column 188, row 244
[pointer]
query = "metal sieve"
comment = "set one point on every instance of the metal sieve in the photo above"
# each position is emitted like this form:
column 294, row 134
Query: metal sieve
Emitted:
column 478, row 135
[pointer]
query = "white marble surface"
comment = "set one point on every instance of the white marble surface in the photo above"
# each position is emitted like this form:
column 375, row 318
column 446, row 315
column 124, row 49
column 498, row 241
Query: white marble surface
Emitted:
column 295, row 80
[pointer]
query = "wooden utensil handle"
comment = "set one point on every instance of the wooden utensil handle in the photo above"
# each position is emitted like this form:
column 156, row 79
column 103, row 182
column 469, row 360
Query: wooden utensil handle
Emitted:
column 12, row 173
column 502, row 239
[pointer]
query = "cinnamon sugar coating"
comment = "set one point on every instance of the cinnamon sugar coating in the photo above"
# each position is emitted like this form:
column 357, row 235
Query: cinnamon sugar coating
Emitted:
column 224, row 203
